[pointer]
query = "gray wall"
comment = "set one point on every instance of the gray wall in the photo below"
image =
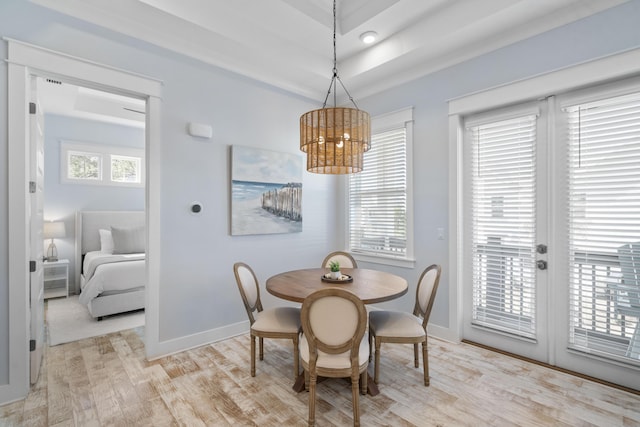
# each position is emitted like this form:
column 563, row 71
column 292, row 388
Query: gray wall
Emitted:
column 62, row 200
column 197, row 291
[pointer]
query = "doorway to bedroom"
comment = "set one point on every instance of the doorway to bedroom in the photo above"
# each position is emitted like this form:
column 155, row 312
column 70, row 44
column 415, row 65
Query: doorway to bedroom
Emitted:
column 94, row 161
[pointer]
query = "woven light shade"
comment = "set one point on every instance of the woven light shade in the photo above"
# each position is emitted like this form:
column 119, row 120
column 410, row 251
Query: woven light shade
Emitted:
column 335, row 139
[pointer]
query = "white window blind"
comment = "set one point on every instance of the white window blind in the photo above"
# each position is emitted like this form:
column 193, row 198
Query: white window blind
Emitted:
column 604, row 214
column 502, row 176
column 378, row 198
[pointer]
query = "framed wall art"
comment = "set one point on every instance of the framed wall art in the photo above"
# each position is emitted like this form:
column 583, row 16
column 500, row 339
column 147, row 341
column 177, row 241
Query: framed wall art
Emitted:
column 266, row 191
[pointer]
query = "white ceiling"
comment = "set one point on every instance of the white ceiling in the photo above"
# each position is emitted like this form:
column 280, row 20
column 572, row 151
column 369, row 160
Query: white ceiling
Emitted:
column 64, row 99
column 289, row 43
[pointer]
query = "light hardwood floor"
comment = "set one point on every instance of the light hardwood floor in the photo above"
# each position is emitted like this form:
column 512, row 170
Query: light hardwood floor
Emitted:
column 106, row 381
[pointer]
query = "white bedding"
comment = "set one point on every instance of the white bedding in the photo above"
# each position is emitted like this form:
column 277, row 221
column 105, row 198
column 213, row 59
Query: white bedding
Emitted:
column 109, row 272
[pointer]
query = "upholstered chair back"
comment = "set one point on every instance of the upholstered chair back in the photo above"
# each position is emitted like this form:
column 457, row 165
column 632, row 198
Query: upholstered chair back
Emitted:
column 426, row 292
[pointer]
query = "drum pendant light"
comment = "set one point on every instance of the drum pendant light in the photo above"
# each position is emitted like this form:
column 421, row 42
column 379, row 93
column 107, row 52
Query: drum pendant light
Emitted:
column 335, row 138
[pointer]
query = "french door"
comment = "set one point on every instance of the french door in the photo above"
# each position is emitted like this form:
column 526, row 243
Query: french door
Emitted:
column 36, row 214
column 552, row 231
column 505, row 187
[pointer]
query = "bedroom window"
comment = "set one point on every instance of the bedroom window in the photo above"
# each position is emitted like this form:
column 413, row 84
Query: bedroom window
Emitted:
column 99, row 164
column 84, row 165
column 379, row 197
column 125, row 169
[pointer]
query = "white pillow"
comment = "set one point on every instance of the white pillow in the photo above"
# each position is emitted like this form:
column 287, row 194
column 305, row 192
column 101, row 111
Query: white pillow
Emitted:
column 106, row 241
column 128, row 240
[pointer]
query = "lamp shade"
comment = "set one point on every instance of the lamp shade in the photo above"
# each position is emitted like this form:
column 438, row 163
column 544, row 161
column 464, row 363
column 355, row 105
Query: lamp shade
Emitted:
column 54, row 230
column 335, row 139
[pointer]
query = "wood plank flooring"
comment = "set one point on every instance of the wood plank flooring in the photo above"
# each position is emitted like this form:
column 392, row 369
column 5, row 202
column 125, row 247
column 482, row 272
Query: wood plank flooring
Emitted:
column 106, row 381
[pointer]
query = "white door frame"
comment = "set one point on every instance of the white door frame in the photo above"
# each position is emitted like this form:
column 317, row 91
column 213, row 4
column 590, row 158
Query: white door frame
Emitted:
column 25, row 60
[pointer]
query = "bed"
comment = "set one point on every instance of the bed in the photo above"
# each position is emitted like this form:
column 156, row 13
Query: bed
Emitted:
column 110, row 261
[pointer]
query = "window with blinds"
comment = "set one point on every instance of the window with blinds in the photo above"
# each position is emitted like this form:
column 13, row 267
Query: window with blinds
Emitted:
column 378, row 198
column 604, row 225
column 503, row 207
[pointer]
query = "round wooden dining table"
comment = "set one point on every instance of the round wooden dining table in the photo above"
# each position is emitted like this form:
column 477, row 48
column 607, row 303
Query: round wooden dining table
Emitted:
column 371, row 286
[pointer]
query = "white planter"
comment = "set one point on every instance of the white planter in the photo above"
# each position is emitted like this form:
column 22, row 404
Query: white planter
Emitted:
column 335, row 275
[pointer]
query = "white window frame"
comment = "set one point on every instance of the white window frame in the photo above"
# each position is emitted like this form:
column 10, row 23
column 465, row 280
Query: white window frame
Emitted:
column 106, row 153
column 385, row 122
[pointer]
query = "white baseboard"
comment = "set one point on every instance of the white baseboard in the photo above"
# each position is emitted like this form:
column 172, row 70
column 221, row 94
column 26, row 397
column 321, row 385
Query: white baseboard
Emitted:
column 10, row 394
column 442, row 333
column 166, row 348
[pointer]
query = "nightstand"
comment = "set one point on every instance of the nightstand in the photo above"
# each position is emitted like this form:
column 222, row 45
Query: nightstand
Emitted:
column 56, row 278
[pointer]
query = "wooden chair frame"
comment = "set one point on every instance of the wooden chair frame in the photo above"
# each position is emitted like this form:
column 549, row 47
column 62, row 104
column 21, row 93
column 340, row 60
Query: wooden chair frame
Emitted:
column 419, row 312
column 340, row 254
column 357, row 372
column 257, row 306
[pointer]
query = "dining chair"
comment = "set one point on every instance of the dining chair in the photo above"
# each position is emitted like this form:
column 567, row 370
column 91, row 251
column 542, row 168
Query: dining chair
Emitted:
column 627, row 292
column 332, row 343
column 345, row 259
column 278, row 322
column 404, row 328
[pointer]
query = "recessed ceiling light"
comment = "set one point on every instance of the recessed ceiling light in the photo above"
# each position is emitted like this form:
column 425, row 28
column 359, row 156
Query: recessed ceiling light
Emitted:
column 368, row 37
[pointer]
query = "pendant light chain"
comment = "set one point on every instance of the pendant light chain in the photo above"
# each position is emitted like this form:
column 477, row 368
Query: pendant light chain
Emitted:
column 335, row 70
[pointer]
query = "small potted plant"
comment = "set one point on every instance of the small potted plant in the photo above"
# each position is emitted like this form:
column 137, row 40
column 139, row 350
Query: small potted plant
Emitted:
column 334, row 266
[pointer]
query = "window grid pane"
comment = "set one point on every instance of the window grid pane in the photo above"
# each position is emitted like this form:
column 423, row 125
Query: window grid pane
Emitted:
column 84, row 166
column 503, row 223
column 125, row 169
column 378, row 198
column 604, row 226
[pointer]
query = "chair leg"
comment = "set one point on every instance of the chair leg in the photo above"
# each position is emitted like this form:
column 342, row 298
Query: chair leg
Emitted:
column 312, row 399
column 376, row 370
column 253, row 355
column 355, row 392
column 364, row 382
column 296, row 357
column 261, row 340
column 370, row 345
column 416, row 360
column 425, row 362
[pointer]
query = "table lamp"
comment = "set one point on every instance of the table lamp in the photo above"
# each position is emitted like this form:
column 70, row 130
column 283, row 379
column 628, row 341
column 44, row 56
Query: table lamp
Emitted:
column 53, row 230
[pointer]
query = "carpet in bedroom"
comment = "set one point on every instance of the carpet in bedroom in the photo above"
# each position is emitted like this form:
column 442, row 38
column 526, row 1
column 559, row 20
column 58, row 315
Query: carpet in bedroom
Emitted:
column 68, row 320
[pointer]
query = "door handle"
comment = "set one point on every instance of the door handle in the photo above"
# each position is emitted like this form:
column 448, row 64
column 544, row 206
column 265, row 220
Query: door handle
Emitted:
column 542, row 265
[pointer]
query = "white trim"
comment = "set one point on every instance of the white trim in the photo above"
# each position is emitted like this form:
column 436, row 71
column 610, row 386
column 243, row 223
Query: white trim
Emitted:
column 199, row 339
column 611, row 67
column 154, row 238
column 456, row 237
column 25, row 60
column 18, row 171
column 391, row 120
column 442, row 333
column 75, row 69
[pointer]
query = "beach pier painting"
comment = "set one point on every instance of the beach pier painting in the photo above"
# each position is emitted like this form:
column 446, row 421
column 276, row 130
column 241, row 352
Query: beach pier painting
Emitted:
column 266, row 191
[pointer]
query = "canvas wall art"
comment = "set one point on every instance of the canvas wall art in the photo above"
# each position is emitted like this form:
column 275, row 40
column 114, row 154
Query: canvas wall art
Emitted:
column 266, row 191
